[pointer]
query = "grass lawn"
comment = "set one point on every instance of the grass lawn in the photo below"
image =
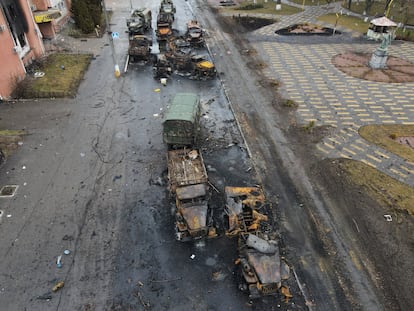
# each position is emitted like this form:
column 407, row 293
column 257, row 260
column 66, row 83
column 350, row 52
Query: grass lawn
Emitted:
column 380, row 186
column 350, row 22
column 310, row 2
column 268, row 8
column 62, row 76
column 405, row 16
column 382, row 134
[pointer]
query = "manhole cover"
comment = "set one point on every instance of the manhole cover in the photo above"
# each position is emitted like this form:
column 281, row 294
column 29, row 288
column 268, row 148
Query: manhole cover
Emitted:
column 8, row 191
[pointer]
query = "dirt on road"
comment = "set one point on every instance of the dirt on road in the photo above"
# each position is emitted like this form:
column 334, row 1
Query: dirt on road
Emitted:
column 106, row 200
column 379, row 248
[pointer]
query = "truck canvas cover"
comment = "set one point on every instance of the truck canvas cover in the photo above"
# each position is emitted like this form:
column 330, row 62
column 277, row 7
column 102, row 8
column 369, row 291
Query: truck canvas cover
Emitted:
column 183, row 107
column 181, row 118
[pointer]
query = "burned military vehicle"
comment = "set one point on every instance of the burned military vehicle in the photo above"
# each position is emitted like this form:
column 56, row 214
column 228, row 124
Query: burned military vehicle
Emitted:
column 139, row 22
column 186, row 63
column 167, row 6
column 139, row 48
column 161, row 67
column 164, row 26
column 261, row 267
column 195, row 34
column 188, row 182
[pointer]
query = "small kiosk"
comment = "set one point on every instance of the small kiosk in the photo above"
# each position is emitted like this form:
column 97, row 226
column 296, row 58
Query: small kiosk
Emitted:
column 381, row 26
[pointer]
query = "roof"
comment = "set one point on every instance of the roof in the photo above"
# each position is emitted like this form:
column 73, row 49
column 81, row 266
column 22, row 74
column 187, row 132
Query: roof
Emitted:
column 184, row 106
column 383, row 21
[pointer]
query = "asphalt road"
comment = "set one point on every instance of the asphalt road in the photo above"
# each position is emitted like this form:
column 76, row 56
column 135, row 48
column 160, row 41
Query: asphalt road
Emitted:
column 91, row 175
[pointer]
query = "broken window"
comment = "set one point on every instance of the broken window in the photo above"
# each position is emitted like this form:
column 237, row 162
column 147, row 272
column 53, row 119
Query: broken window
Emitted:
column 17, row 23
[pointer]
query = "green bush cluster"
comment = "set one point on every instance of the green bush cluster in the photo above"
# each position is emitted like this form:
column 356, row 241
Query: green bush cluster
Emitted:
column 87, row 14
column 407, row 35
column 251, row 6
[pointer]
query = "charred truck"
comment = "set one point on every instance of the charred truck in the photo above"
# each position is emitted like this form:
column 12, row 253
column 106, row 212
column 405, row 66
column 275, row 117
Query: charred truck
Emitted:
column 261, row 267
column 187, row 175
column 188, row 182
column 167, row 6
column 139, row 48
column 139, row 22
column 164, row 26
column 165, row 19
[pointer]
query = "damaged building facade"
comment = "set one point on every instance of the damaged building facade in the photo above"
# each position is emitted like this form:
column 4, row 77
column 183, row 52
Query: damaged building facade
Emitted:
column 23, row 26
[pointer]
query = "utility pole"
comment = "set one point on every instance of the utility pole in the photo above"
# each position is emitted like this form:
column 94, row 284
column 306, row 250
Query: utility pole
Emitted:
column 111, row 41
column 388, row 8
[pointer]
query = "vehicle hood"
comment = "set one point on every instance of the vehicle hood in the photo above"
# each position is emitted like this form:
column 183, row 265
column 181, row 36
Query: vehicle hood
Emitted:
column 195, row 216
column 266, row 266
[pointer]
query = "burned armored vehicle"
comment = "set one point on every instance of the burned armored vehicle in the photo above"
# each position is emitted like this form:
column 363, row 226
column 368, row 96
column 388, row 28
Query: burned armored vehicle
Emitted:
column 195, row 34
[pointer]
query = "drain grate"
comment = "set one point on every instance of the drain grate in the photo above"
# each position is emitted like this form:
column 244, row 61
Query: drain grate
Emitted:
column 8, row 191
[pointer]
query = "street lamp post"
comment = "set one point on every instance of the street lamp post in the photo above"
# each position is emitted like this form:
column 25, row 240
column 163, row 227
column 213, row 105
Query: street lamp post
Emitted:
column 111, row 41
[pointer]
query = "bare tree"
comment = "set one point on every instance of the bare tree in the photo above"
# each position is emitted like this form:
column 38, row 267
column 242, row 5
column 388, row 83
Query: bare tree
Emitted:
column 368, row 5
column 407, row 8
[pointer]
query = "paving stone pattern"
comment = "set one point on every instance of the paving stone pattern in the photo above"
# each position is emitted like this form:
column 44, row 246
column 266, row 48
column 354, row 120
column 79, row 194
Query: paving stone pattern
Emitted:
column 330, row 97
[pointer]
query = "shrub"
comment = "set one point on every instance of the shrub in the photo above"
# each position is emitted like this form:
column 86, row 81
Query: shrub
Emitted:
column 87, row 14
column 310, row 126
column 251, row 6
column 393, row 136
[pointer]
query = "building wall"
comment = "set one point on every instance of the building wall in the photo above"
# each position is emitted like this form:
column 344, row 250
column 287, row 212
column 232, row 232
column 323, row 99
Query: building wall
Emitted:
column 50, row 29
column 16, row 53
column 34, row 36
column 41, row 5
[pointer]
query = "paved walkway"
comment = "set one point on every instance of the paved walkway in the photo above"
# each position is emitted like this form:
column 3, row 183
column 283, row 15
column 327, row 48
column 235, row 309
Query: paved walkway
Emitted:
column 330, row 97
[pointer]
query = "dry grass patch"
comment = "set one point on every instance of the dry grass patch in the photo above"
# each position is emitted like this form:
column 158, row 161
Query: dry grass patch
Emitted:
column 263, row 8
column 384, row 136
column 350, row 22
column 384, row 189
column 9, row 140
column 62, row 76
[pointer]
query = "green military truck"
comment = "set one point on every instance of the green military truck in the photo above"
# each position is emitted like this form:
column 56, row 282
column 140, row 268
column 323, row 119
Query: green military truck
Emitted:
column 181, row 120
